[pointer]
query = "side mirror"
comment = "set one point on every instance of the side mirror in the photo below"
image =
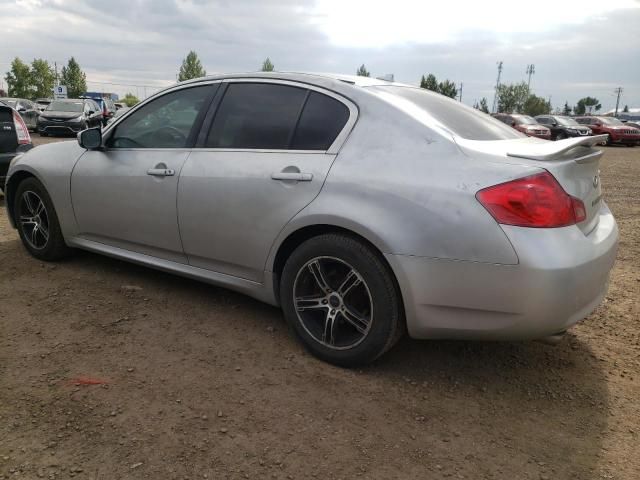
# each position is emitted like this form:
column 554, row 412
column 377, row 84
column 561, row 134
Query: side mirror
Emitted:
column 91, row 139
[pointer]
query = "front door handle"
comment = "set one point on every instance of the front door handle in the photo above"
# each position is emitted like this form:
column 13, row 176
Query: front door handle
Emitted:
column 292, row 176
column 161, row 172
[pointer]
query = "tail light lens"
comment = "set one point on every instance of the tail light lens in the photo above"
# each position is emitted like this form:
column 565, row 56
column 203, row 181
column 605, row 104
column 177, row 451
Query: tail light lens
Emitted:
column 536, row 201
column 21, row 130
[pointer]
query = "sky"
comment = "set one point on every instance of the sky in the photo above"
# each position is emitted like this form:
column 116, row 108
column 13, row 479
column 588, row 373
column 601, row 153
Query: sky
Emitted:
column 589, row 47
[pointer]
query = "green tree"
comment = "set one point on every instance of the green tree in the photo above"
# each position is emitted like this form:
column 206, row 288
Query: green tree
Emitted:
column 511, row 97
column 42, row 78
column 567, row 109
column 448, row 89
column 483, row 107
column 535, row 105
column 74, row 78
column 625, row 109
column 19, row 79
column 587, row 103
column 130, row 100
column 191, row 67
column 267, row 65
column 363, row 72
column 430, row 82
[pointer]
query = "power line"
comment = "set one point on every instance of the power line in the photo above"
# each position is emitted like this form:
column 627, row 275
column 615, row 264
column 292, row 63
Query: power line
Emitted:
column 618, row 91
column 495, row 95
column 531, row 69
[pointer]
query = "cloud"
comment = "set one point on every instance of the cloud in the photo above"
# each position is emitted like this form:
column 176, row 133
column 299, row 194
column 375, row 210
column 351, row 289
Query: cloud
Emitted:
column 578, row 50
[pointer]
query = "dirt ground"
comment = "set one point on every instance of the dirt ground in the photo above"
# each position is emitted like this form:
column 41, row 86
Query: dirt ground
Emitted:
column 200, row 382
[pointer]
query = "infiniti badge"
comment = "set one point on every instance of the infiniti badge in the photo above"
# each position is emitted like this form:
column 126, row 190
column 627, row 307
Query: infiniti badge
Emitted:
column 596, row 181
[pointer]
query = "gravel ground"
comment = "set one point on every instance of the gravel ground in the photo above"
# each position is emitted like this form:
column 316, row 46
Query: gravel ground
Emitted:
column 114, row 371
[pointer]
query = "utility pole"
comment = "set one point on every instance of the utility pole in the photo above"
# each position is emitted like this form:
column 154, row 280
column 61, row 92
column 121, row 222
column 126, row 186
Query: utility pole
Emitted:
column 531, row 69
column 495, row 96
column 618, row 92
column 461, row 91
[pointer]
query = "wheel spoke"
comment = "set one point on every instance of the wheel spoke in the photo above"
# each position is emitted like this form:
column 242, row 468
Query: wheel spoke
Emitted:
column 309, row 303
column 356, row 320
column 316, row 271
column 44, row 232
column 327, row 334
column 39, row 208
column 26, row 220
column 34, row 235
column 351, row 280
column 27, row 200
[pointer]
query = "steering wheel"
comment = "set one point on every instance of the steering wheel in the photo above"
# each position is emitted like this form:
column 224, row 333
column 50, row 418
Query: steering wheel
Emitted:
column 177, row 138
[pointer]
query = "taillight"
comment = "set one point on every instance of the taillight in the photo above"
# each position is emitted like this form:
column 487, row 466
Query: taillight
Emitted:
column 536, row 201
column 21, row 130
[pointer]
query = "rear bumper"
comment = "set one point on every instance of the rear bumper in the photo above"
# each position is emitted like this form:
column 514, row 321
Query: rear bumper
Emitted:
column 561, row 277
column 5, row 161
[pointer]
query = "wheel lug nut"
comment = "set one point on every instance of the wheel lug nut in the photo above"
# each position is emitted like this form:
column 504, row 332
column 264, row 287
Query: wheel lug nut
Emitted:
column 324, row 302
column 332, row 312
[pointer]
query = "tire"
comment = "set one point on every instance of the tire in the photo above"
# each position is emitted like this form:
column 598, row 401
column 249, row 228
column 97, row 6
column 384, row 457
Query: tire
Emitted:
column 32, row 230
column 357, row 316
column 561, row 136
column 608, row 140
column 42, row 134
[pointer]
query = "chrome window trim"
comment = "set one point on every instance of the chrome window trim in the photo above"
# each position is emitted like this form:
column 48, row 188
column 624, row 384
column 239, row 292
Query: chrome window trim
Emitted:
column 333, row 149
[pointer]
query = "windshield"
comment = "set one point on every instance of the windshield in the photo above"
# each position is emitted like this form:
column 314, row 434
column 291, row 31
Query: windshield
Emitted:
column 65, row 107
column 566, row 121
column 610, row 121
column 459, row 119
column 525, row 120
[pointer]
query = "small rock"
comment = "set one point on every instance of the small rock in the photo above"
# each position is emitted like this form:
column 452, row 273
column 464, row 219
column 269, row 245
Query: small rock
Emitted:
column 130, row 288
column 223, row 430
column 136, row 465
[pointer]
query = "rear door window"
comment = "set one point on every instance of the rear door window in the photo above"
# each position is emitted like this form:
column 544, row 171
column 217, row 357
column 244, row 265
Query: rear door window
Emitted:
column 256, row 116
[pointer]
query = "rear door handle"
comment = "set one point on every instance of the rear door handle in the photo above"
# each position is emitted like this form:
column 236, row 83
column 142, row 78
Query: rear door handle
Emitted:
column 292, row 176
column 161, row 172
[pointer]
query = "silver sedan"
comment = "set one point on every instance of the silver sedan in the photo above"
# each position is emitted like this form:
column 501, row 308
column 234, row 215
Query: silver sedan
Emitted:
column 362, row 208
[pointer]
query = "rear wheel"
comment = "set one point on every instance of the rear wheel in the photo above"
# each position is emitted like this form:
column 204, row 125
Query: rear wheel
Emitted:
column 37, row 221
column 341, row 300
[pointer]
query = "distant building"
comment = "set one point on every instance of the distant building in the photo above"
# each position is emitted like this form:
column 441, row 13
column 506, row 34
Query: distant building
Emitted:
column 112, row 96
column 632, row 114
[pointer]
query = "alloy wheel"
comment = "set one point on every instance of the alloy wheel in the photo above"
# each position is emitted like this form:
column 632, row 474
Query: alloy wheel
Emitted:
column 34, row 220
column 333, row 302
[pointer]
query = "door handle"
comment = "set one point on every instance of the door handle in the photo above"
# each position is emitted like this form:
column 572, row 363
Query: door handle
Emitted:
column 161, row 172
column 292, row 176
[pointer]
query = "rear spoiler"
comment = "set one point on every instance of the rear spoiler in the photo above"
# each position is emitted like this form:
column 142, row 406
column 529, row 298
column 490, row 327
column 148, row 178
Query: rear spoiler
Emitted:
column 547, row 151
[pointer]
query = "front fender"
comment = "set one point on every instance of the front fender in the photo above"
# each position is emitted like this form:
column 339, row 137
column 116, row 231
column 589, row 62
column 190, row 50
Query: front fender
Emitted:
column 52, row 165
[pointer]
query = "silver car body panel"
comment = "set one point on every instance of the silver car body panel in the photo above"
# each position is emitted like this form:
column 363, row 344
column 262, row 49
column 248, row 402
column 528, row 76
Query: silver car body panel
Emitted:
column 395, row 176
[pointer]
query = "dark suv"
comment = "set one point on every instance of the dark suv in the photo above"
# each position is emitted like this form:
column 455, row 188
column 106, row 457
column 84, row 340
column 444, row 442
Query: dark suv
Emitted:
column 563, row 127
column 616, row 131
column 68, row 116
column 14, row 139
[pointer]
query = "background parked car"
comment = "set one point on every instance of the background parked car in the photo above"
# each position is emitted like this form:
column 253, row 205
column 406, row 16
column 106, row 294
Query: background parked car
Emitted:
column 69, row 116
column 14, row 138
column 42, row 103
column 525, row 124
column 563, row 127
column 634, row 124
column 106, row 107
column 27, row 110
column 616, row 131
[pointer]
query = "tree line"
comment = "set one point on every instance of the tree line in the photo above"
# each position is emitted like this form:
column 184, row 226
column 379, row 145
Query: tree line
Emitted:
column 37, row 80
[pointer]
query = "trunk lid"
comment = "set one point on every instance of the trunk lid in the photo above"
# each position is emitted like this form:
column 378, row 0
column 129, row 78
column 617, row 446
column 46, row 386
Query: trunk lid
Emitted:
column 573, row 162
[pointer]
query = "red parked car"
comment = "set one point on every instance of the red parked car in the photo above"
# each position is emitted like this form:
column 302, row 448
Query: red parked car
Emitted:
column 525, row 124
column 616, row 130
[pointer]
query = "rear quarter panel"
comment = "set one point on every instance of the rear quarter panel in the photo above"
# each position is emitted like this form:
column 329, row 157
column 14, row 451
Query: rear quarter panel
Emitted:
column 410, row 191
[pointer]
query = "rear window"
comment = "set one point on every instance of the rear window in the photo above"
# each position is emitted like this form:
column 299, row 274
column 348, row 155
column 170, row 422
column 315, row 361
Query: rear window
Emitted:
column 459, row 119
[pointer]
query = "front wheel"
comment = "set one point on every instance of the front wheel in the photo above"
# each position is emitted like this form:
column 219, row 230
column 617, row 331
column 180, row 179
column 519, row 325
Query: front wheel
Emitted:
column 37, row 221
column 340, row 299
